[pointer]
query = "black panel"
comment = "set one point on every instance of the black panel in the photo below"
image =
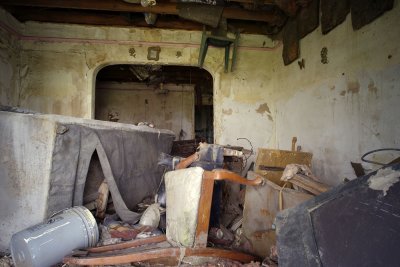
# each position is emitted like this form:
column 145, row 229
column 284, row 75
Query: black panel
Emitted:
column 360, row 228
column 365, row 11
column 350, row 225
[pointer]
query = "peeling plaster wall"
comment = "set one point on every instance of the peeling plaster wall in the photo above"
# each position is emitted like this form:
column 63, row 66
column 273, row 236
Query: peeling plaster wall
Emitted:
column 9, row 58
column 347, row 107
column 337, row 110
column 134, row 103
column 26, row 143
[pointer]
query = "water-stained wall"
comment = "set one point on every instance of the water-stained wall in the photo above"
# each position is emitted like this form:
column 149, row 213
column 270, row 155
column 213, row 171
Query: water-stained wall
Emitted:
column 170, row 107
column 9, row 58
column 337, row 110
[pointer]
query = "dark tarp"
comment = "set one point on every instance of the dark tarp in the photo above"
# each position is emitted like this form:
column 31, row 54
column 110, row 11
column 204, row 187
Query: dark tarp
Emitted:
column 355, row 224
column 128, row 161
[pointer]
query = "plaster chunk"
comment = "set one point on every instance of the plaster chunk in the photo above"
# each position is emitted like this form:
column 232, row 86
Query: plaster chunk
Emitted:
column 383, row 180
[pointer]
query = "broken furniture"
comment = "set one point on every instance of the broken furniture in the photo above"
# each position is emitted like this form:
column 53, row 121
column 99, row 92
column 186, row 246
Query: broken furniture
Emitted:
column 51, row 162
column 354, row 224
column 218, row 40
column 272, row 162
column 189, row 193
column 301, row 178
column 262, row 203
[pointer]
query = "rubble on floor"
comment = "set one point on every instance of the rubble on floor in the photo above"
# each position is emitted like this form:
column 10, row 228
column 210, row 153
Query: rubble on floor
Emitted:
column 195, row 218
column 6, row 261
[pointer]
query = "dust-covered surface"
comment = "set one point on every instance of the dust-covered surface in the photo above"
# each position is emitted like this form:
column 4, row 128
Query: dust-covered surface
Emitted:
column 6, row 261
column 384, row 179
column 45, row 160
column 183, row 190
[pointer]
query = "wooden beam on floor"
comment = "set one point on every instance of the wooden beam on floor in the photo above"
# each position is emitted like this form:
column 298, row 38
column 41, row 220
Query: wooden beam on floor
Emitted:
column 161, row 253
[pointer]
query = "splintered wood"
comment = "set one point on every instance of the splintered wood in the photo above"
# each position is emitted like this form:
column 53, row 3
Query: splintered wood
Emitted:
column 309, row 184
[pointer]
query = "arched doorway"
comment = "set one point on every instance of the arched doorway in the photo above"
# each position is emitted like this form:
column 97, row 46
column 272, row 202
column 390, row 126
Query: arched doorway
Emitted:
column 178, row 98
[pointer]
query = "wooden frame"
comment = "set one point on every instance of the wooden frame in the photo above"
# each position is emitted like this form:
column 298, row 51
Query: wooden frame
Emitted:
column 115, row 254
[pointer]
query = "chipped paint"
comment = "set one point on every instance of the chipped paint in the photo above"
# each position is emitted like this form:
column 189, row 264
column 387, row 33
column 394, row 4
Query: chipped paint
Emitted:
column 227, row 111
column 372, row 88
column 263, row 108
column 62, row 62
column 384, row 179
column 353, row 87
column 173, row 111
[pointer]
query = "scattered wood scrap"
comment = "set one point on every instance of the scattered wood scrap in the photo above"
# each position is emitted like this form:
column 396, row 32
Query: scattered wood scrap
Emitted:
column 307, row 183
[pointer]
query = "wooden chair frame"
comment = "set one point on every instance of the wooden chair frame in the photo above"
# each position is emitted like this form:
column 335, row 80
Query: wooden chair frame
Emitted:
column 114, row 254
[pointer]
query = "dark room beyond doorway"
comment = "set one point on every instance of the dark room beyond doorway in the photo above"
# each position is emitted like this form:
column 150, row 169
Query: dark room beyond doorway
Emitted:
column 178, row 98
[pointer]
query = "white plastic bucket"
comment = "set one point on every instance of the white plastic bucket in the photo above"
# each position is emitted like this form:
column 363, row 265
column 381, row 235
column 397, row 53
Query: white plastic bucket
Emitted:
column 44, row 245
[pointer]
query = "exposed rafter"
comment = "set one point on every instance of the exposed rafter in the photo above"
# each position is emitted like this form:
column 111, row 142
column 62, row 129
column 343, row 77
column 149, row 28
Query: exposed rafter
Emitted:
column 170, row 8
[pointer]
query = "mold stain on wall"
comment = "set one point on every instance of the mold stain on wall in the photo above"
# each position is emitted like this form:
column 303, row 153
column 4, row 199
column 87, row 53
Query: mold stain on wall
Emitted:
column 227, row 111
column 299, row 99
column 263, row 108
column 353, row 87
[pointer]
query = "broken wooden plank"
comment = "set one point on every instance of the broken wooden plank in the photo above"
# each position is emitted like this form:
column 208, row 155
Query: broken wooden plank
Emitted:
column 290, row 7
column 129, row 244
column 102, row 200
column 160, row 8
column 291, row 45
column 203, row 215
column 175, row 253
column 226, row 175
column 309, row 184
column 308, row 19
column 333, row 13
column 358, row 169
column 366, row 11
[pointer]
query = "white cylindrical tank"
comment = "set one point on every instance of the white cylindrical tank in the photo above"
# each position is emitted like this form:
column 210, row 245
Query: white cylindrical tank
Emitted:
column 44, row 245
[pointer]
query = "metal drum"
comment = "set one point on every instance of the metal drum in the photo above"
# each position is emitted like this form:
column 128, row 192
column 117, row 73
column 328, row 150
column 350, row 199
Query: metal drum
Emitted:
column 44, row 245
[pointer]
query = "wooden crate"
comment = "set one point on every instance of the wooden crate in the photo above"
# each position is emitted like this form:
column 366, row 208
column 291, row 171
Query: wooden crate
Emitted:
column 260, row 208
column 270, row 163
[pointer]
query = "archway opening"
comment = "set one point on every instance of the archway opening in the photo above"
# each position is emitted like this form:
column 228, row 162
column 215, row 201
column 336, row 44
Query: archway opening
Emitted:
column 178, row 98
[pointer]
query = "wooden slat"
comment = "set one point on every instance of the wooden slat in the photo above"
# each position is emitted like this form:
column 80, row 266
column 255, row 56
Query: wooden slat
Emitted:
column 93, row 18
column 162, row 253
column 129, row 244
column 219, row 175
column 203, row 215
column 333, row 13
column 307, row 19
column 291, row 46
column 161, row 8
column 309, row 184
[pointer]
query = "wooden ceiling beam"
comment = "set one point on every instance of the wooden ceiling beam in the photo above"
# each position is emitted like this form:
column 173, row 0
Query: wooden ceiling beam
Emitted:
column 93, row 18
column 160, row 8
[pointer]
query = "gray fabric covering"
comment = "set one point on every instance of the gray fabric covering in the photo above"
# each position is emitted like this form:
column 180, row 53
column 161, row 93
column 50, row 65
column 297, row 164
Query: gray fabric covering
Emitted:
column 183, row 191
column 128, row 160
